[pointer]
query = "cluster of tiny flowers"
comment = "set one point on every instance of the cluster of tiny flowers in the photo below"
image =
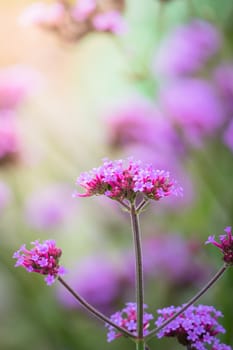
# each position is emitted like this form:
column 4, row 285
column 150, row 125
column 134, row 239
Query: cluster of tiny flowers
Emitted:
column 196, row 327
column 43, row 258
column 119, row 181
column 225, row 245
column 127, row 318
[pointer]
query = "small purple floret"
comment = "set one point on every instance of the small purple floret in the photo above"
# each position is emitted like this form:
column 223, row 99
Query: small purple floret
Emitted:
column 225, row 245
column 197, row 327
column 127, row 318
column 43, row 258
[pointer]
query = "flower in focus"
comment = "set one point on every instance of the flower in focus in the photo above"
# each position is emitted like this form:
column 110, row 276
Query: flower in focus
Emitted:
column 225, row 245
column 127, row 318
column 228, row 136
column 196, row 327
column 199, row 114
column 50, row 207
column 120, row 181
column 111, row 21
column 43, row 258
column 97, row 280
column 188, row 49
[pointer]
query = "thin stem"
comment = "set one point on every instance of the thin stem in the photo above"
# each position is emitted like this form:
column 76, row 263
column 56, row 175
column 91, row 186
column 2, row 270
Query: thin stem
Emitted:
column 95, row 312
column 190, row 302
column 123, row 204
column 139, row 272
column 142, row 205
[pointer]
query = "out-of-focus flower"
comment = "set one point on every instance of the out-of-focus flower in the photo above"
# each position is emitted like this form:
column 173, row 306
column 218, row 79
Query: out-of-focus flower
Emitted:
column 187, row 49
column 16, row 83
column 50, row 207
column 118, row 180
column 194, row 107
column 138, row 121
column 225, row 245
column 5, row 195
column 196, row 327
column 9, row 139
column 111, row 21
column 228, row 136
column 223, row 77
column 43, row 258
column 40, row 13
column 97, row 280
column 83, row 9
column 171, row 258
column 127, row 318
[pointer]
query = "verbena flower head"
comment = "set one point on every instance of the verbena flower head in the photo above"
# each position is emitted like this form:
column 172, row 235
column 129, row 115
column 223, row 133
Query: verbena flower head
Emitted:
column 121, row 180
column 127, row 318
column 43, row 258
column 196, row 327
column 225, row 245
column 228, row 136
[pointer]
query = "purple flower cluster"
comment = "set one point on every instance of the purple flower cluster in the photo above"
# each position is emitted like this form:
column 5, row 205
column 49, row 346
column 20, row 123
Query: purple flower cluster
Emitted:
column 43, row 258
column 120, row 181
column 127, row 318
column 196, row 327
column 225, row 245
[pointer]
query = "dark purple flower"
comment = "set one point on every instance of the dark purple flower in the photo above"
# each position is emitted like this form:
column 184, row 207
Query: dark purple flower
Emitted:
column 225, row 245
column 127, row 318
column 196, row 327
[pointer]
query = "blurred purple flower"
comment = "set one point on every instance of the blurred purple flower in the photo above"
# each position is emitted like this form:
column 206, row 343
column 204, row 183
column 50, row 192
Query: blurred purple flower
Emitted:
column 16, row 83
column 111, row 21
column 40, row 13
column 82, row 9
column 223, row 77
column 194, row 107
column 5, row 195
column 172, row 258
column 50, row 207
column 228, row 136
column 187, row 49
column 138, row 121
column 97, row 280
column 9, row 137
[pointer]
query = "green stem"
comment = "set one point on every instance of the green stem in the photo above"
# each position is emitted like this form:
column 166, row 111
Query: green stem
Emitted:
column 190, row 302
column 95, row 312
column 140, row 345
column 139, row 274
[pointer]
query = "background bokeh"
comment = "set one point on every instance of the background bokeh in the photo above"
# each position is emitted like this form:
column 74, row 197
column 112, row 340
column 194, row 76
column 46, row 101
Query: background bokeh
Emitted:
column 161, row 92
